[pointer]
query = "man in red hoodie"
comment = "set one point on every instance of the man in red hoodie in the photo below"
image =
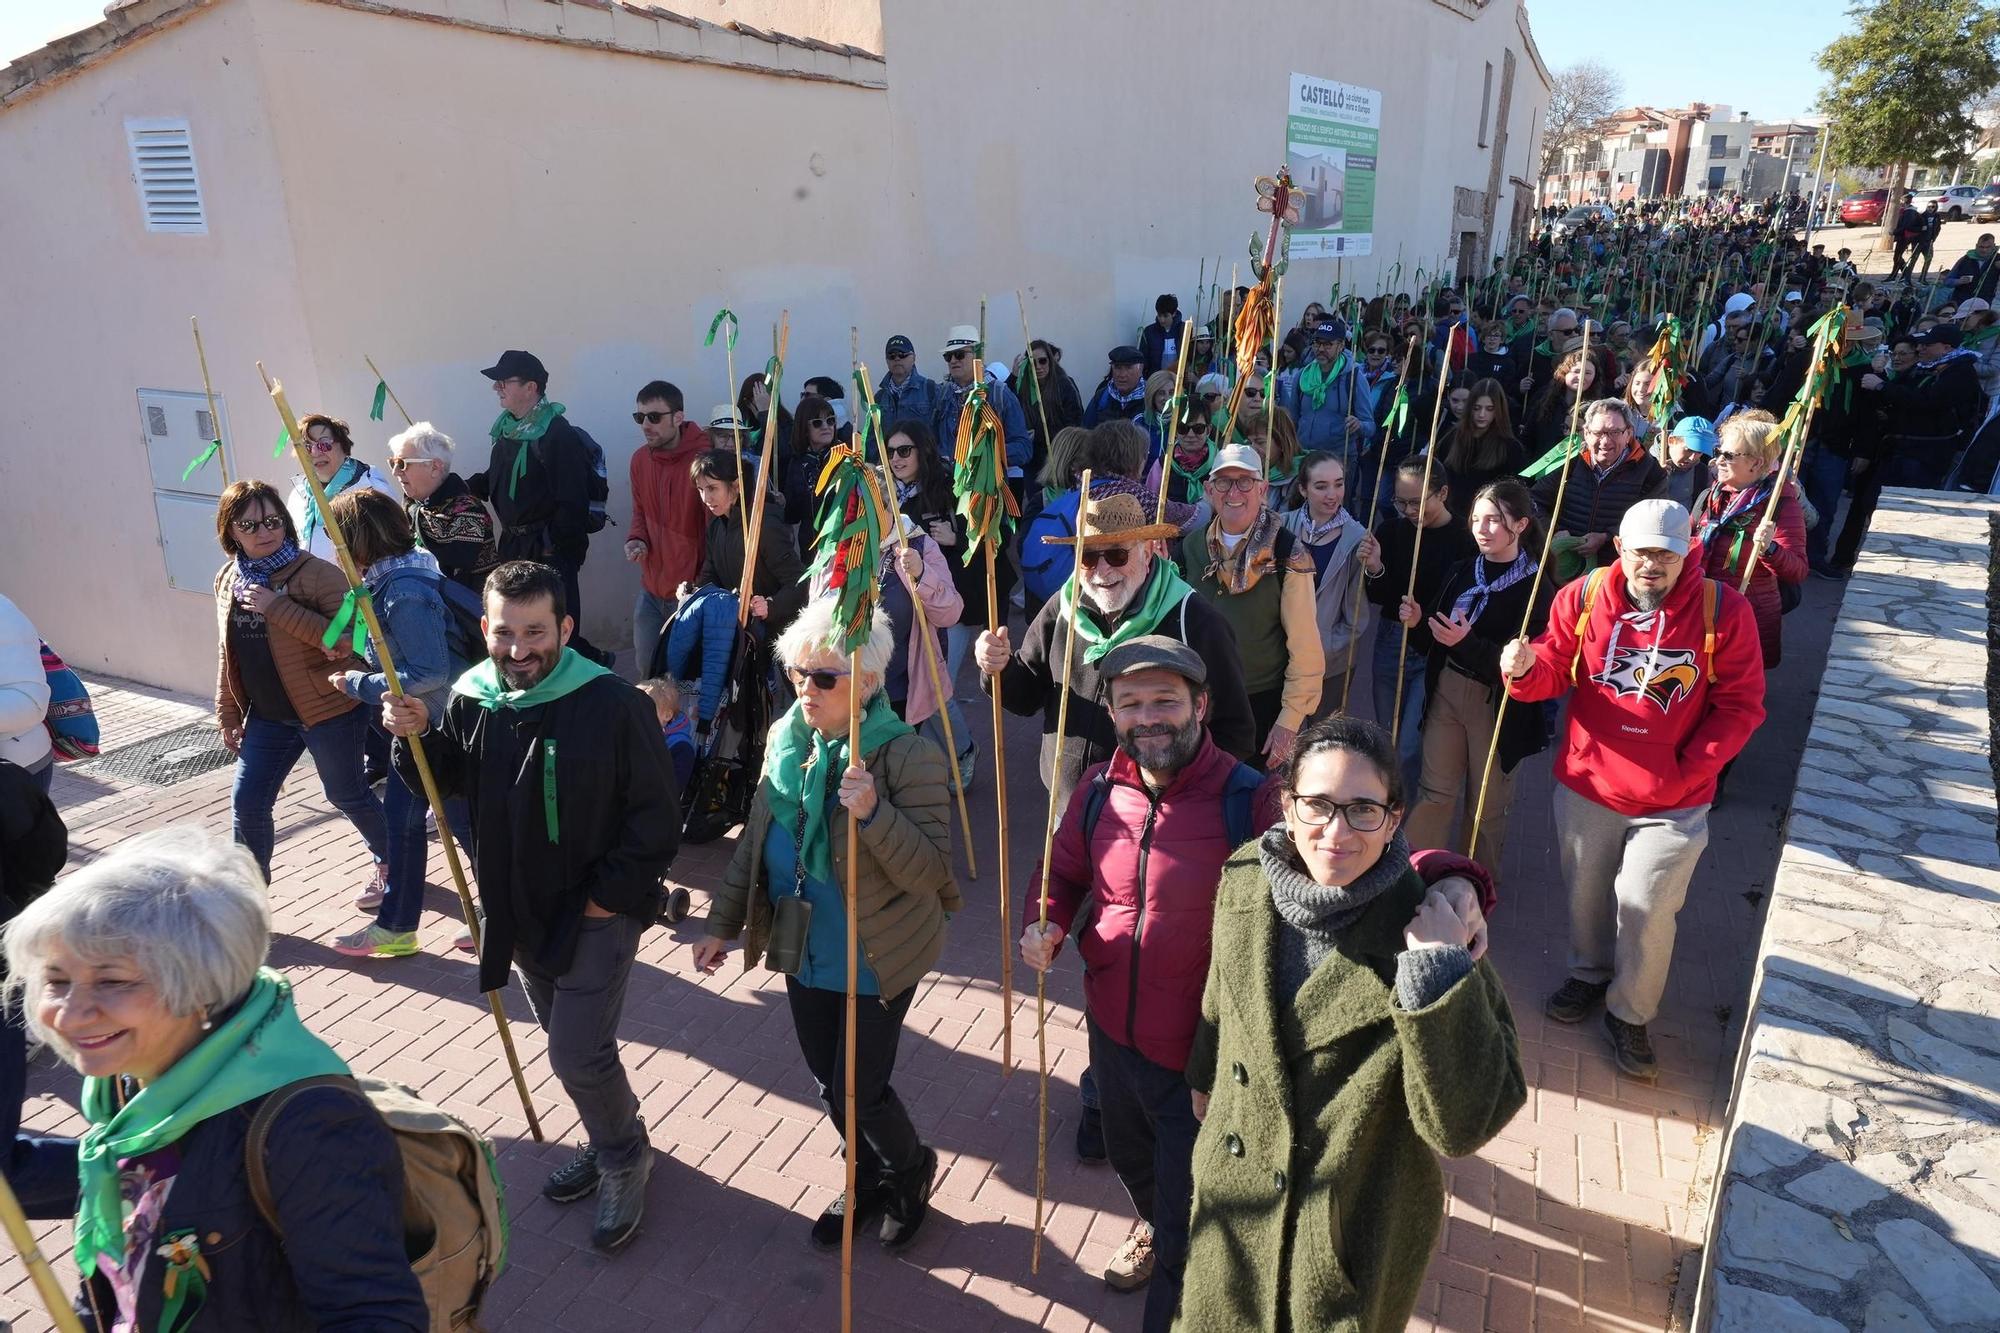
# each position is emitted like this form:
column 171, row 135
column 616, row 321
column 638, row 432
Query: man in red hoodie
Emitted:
column 669, row 524
column 1668, row 677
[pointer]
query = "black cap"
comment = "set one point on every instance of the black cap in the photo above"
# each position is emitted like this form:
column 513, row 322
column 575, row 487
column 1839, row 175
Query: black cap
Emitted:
column 1330, row 330
column 900, row 345
column 517, row 365
column 1946, row 334
column 1126, row 355
column 1154, row 652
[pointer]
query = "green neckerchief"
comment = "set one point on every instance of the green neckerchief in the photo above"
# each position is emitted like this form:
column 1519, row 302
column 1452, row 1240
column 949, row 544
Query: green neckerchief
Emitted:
column 1860, row 359
column 1195, row 474
column 1164, row 591
column 507, row 426
column 1514, row 330
column 1559, row 453
column 1281, row 479
column 484, row 686
column 796, row 764
column 1978, row 336
column 258, row 1049
column 1314, row 382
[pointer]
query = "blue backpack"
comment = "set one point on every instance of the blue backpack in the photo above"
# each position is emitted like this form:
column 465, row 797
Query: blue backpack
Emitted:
column 1239, row 802
column 1045, row 568
column 600, row 481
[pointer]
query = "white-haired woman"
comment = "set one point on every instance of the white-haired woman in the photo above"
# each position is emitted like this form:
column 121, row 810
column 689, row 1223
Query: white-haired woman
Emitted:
column 452, row 523
column 783, row 894
column 145, row 971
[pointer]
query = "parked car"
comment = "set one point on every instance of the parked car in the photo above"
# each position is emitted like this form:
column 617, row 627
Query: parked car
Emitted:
column 1986, row 208
column 1584, row 215
column 1953, row 201
column 1863, row 209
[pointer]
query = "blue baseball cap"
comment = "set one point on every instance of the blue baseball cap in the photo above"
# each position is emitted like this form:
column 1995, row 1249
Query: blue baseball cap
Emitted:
column 1697, row 433
column 1330, row 330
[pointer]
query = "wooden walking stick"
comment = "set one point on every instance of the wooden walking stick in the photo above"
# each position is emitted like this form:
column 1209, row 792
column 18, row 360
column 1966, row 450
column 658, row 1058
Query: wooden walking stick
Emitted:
column 382, row 390
column 1048, row 849
column 725, row 321
column 1271, row 384
column 774, row 371
column 1028, row 352
column 1423, row 499
column 1399, row 415
column 1173, row 427
column 360, row 603
column 61, row 1313
column 214, row 449
column 1827, row 334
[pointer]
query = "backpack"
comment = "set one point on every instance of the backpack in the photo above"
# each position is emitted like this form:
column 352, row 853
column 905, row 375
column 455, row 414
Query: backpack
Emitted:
column 454, row 1203
column 600, row 481
column 1239, row 803
column 71, row 721
column 464, row 637
column 1709, row 594
column 1045, row 568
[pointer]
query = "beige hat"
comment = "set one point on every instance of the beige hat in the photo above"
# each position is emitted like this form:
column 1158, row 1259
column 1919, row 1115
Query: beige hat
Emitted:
column 1240, row 456
column 722, row 422
column 962, row 338
column 1114, row 521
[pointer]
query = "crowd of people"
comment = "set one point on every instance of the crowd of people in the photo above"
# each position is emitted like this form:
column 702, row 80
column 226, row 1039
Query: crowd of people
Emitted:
column 1531, row 528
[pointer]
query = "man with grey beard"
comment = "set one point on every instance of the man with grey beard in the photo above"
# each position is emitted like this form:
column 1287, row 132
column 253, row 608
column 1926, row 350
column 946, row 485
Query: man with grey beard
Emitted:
column 1668, row 680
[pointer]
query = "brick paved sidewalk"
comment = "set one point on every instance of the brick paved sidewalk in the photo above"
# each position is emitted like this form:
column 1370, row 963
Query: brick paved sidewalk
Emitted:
column 1576, row 1217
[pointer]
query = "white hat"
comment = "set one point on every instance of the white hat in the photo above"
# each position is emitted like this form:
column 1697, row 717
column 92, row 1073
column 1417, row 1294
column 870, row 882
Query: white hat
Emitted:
column 1211, row 383
column 1793, row 296
column 1653, row 525
column 963, row 337
column 1240, row 456
column 723, row 419
column 1740, row 301
column 1972, row 305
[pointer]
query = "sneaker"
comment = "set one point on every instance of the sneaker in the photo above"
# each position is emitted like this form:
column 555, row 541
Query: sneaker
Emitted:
column 464, row 943
column 370, row 898
column 1132, row 1267
column 1631, row 1047
column 1090, row 1137
column 574, row 1179
column 1829, row 572
column 909, row 1203
column 1574, row 1001
column 622, row 1205
column 871, row 1200
column 375, row 942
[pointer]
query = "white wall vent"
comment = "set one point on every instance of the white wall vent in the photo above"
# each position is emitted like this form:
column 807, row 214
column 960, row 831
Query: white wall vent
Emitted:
column 163, row 169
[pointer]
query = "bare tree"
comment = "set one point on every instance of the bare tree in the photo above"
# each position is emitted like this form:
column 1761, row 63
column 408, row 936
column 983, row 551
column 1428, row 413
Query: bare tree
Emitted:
column 1584, row 96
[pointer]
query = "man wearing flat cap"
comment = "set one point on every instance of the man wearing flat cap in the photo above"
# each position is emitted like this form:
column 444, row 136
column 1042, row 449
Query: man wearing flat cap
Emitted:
column 1121, row 394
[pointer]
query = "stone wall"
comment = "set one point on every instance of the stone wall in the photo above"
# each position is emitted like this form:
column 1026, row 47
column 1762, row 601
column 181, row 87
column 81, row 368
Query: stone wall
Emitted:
column 1861, row 1183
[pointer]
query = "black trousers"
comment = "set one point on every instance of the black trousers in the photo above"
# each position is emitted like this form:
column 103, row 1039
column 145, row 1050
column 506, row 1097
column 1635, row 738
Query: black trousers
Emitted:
column 889, row 1143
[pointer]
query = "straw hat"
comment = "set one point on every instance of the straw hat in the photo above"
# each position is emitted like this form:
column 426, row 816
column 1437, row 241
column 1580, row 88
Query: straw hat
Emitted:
column 1115, row 521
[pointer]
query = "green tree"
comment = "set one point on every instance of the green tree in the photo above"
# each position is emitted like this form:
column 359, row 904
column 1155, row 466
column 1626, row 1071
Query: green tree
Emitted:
column 1902, row 86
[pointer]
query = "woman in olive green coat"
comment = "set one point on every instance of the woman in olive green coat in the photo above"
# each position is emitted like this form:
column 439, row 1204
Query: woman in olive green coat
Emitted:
column 1349, row 1036
column 784, row 893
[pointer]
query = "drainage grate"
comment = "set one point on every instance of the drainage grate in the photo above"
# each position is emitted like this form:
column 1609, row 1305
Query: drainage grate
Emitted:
column 168, row 758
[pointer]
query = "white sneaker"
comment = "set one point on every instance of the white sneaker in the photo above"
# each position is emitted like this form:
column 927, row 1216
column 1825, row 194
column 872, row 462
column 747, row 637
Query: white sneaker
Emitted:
column 370, row 898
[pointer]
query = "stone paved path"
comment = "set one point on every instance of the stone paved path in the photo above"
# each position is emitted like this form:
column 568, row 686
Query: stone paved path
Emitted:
column 1576, row 1217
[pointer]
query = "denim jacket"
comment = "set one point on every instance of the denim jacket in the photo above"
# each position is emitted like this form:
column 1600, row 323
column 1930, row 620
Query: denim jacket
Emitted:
column 916, row 398
column 1325, row 427
column 414, row 616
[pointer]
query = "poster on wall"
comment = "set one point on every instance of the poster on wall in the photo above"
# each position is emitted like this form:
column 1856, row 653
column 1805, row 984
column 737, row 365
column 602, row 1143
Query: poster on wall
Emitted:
column 1331, row 133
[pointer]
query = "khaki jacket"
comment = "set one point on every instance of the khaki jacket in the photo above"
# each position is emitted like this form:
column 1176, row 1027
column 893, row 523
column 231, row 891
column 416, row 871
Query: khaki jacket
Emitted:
column 312, row 590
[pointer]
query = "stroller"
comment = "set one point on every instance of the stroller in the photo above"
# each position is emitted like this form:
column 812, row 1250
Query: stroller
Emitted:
column 729, row 744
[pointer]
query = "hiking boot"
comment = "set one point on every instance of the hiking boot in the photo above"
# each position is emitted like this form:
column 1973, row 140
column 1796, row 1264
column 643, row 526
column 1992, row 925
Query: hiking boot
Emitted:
column 871, row 1200
column 574, row 1179
column 1574, row 1001
column 908, row 1203
column 370, row 898
column 1631, row 1048
column 1090, row 1137
column 375, row 942
column 1132, row 1267
column 622, row 1205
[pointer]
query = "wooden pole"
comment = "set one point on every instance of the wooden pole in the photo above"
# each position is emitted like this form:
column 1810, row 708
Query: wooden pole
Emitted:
column 1417, row 546
column 1793, row 449
column 1173, row 428
column 853, row 1131
column 208, row 392
column 781, row 334
column 736, row 428
column 1271, row 390
column 1028, row 351
column 1000, row 805
column 365, row 606
column 1367, row 525
column 408, row 420
column 1048, row 849
column 61, row 1313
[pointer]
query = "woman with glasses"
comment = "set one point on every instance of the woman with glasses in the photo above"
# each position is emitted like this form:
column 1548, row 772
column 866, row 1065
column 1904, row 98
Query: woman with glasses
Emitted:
column 812, row 438
column 330, row 445
column 1729, row 523
column 784, row 895
column 1350, row 1035
column 1184, row 468
column 1379, row 373
column 274, row 699
column 451, row 522
column 1051, row 395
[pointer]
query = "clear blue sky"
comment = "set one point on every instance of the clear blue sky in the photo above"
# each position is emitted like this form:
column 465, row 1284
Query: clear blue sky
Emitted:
column 1754, row 55
column 27, row 24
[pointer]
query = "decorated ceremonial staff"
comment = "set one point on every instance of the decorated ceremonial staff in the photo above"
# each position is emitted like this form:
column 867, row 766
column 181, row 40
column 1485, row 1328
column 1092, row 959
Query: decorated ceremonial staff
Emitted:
column 1256, row 322
column 852, row 518
column 774, row 370
column 357, row 615
column 214, row 449
column 1796, row 425
column 725, row 319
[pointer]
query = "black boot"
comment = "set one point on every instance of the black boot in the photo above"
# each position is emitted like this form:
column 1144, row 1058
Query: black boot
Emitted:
column 909, row 1202
column 871, row 1199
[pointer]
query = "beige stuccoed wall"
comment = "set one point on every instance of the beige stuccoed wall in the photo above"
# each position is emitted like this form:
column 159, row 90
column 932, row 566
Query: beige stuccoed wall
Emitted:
column 97, row 308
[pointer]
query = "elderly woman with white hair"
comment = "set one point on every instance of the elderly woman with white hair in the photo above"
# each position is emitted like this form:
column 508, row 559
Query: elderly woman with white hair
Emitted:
column 145, row 971
column 452, row 523
column 783, row 894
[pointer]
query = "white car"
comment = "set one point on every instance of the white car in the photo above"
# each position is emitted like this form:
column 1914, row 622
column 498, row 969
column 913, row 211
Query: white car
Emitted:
column 1953, row 201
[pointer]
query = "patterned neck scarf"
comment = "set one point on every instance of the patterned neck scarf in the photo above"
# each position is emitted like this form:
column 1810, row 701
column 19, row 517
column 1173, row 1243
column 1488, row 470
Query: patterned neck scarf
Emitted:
column 260, row 570
column 1255, row 555
column 1471, row 603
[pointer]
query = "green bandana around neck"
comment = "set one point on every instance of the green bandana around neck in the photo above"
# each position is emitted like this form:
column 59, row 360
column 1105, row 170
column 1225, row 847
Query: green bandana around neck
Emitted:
column 484, row 685
column 796, row 767
column 1164, row 590
column 1314, row 382
column 507, row 426
column 258, row 1049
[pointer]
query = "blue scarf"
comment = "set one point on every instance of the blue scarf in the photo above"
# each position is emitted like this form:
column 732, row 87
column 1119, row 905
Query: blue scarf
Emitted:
column 349, row 472
column 1471, row 603
column 260, row 570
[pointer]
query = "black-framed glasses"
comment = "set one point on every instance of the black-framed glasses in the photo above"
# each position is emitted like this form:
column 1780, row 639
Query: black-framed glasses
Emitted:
column 823, row 423
column 1115, row 556
column 1403, row 506
column 902, row 450
column 1233, row 485
column 269, row 523
column 1318, row 811
column 650, row 418
column 958, row 354
column 1041, row 363
column 1196, row 426
column 821, row 680
column 1732, row 456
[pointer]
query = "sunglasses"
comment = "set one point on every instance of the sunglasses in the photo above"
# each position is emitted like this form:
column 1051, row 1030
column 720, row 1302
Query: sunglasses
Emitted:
column 819, row 680
column 902, row 450
column 959, row 355
column 1199, row 426
column 247, row 526
column 823, row 423
column 322, row 446
column 1114, row 556
column 405, row 464
column 1731, row 456
column 650, row 418
column 1041, row 363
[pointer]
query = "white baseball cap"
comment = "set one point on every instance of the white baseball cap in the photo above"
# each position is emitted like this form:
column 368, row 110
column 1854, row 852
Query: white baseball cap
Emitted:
column 1653, row 525
column 1239, row 456
column 1972, row 305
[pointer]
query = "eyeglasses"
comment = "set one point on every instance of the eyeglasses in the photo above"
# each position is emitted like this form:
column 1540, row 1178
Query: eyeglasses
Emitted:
column 1731, row 456
column 1318, row 812
column 651, row 418
column 1199, row 426
column 322, row 446
column 405, row 464
column 1378, row 350
column 499, row 385
column 1403, row 506
column 1114, row 556
column 958, row 355
column 271, row 523
column 1041, row 363
column 823, row 423
column 820, row 680
column 902, row 450
column 1233, row 485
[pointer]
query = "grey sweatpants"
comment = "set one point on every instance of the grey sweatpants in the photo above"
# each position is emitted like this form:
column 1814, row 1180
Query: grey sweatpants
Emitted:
column 579, row 1010
column 1628, row 876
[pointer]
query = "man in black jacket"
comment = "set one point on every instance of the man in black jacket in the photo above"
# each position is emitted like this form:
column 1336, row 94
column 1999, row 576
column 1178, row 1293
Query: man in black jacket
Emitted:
column 538, row 478
column 1932, row 410
column 574, row 823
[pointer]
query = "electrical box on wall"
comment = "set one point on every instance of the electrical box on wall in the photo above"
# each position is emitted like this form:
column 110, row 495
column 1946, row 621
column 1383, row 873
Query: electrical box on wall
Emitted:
column 176, row 428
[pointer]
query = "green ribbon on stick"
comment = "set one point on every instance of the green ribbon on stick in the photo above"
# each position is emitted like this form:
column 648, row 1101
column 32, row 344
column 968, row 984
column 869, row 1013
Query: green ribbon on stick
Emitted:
column 214, row 448
column 345, row 620
column 381, row 403
column 714, row 324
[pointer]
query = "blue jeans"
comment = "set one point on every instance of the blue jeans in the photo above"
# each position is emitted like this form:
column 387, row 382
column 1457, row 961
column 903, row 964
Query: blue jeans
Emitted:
column 958, row 643
column 649, row 617
column 270, row 750
column 1822, row 475
column 1149, row 1133
column 1409, row 746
